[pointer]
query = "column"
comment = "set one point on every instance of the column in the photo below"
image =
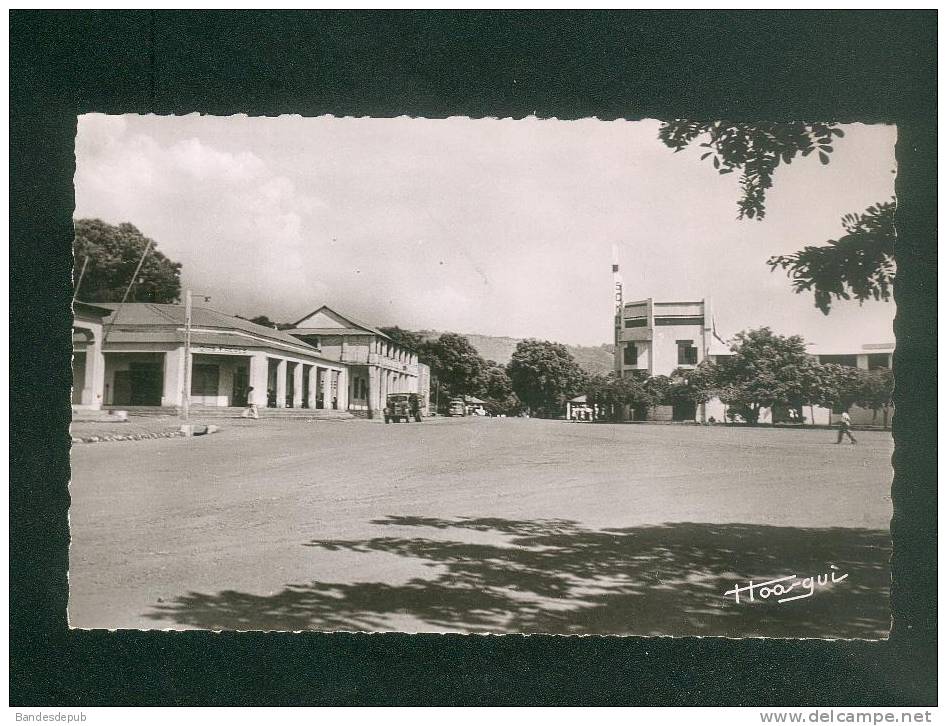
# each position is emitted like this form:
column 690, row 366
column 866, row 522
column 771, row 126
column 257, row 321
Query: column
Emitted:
column 344, row 389
column 281, row 383
column 327, row 388
column 298, row 385
column 94, row 384
column 313, row 378
column 259, row 373
column 374, row 380
column 172, row 392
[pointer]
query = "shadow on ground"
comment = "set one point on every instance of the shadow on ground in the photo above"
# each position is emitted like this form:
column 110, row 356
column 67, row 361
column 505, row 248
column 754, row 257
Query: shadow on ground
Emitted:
column 556, row 576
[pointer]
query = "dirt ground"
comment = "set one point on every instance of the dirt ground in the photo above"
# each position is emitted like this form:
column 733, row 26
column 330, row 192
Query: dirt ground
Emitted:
column 481, row 525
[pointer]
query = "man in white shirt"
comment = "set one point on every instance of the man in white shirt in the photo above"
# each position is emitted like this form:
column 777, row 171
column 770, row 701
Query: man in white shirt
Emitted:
column 845, row 428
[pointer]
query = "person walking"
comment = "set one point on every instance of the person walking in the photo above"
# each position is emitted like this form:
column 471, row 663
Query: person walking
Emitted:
column 845, row 428
column 251, row 410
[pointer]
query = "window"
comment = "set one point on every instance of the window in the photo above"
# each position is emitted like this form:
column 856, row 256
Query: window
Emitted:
column 686, row 353
column 878, row 360
column 631, row 354
column 204, row 379
column 636, row 322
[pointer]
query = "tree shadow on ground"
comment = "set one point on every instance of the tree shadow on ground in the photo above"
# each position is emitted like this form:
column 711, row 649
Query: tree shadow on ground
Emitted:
column 557, row 576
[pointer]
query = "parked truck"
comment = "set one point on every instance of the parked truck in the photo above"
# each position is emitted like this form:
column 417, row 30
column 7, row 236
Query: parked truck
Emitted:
column 403, row 407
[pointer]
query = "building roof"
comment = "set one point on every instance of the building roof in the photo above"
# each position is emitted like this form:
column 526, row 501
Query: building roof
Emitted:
column 357, row 327
column 867, row 348
column 163, row 323
column 579, row 399
column 328, row 331
column 90, row 310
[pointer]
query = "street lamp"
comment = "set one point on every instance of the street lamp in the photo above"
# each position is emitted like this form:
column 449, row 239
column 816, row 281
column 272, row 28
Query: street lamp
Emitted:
column 186, row 399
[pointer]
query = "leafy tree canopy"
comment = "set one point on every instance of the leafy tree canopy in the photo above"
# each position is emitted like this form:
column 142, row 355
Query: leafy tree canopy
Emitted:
column 756, row 149
column 405, row 338
column 846, row 386
column 454, row 362
column 543, row 374
column 113, row 254
column 859, row 264
column 766, row 369
column 495, row 383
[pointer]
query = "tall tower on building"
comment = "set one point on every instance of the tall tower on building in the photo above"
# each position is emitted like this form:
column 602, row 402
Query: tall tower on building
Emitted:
column 618, row 293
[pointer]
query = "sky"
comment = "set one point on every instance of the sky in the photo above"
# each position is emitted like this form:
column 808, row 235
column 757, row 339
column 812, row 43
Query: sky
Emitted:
column 496, row 227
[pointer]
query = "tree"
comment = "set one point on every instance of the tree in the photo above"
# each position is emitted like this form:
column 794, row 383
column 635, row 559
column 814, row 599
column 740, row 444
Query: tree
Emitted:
column 543, row 374
column 612, row 393
column 859, row 264
column 876, row 392
column 694, row 384
column 684, row 385
column 496, row 390
column 764, row 370
column 757, row 149
column 263, row 320
column 495, row 382
column 260, row 320
column 455, row 364
column 113, row 253
column 846, row 387
column 405, row 338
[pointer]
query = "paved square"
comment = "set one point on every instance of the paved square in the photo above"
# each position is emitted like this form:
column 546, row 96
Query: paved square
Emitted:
column 481, row 525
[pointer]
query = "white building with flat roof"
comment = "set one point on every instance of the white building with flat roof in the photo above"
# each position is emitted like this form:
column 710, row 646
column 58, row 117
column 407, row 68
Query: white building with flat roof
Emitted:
column 656, row 338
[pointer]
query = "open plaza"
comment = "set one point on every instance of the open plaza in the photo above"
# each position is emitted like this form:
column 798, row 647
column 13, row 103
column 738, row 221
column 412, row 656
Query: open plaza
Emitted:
column 499, row 525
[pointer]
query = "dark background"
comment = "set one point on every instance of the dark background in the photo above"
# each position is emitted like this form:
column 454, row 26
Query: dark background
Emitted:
column 845, row 66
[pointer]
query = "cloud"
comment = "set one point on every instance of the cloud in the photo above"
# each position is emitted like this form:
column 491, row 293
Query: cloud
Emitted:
column 234, row 223
column 490, row 226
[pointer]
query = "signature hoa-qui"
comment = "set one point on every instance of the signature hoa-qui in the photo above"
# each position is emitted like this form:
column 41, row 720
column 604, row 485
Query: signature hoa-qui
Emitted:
column 779, row 587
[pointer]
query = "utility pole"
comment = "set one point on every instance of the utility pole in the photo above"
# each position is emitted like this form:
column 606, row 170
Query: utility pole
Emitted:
column 75, row 293
column 186, row 399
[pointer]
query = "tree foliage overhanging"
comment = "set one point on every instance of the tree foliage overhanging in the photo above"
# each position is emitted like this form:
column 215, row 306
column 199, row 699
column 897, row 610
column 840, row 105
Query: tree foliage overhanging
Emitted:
column 859, row 265
column 756, row 149
column 110, row 255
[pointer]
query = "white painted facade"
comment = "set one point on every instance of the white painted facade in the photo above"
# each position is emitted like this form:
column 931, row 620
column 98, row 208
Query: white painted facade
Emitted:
column 143, row 362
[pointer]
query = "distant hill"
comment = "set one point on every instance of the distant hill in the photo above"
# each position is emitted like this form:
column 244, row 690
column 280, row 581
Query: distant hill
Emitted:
column 598, row 359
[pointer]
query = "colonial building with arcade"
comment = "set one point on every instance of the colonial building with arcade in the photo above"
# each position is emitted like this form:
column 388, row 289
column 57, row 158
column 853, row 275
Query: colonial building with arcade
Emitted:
column 133, row 355
column 378, row 365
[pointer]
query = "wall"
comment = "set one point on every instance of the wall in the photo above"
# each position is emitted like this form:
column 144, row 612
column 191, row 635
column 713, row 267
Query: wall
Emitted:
column 664, row 349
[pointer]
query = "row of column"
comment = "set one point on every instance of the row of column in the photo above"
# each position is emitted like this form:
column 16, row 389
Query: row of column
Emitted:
column 259, row 380
column 384, row 382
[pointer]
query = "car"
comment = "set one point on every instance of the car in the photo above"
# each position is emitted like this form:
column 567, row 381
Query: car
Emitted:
column 402, row 406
